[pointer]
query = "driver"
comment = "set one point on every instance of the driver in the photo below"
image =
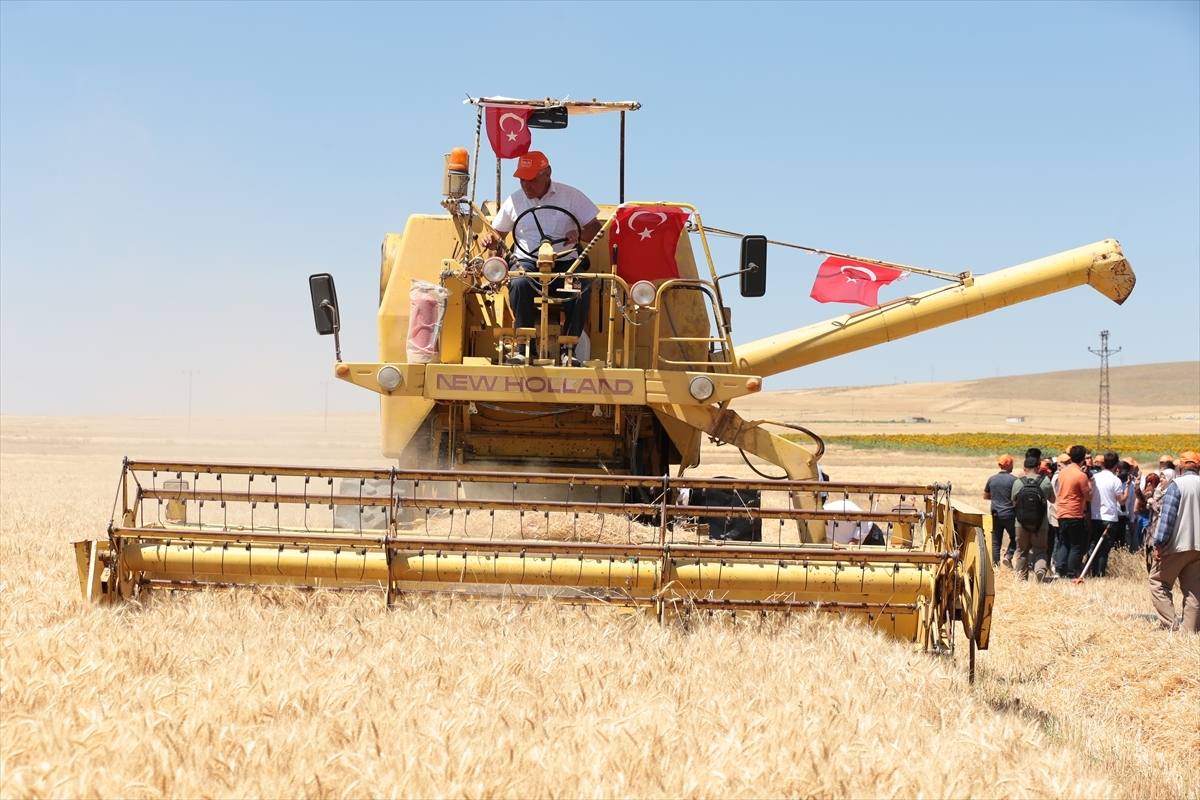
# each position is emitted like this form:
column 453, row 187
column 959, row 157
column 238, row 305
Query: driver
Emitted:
column 538, row 190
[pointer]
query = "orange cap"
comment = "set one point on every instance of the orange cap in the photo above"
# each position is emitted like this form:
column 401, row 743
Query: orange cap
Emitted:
column 1188, row 459
column 1166, row 457
column 530, row 164
column 1064, row 458
column 1005, row 461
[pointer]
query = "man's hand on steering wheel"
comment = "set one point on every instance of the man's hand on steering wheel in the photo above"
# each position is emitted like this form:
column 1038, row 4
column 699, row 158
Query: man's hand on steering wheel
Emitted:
column 572, row 237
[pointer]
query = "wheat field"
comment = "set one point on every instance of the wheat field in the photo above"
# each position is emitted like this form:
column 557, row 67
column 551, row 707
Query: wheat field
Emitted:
column 282, row 694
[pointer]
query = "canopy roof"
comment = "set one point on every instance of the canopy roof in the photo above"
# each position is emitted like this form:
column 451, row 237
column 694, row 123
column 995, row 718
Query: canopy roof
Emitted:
column 592, row 106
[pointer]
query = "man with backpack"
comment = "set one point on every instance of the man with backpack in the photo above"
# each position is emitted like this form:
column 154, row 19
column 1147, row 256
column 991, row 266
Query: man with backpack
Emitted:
column 1031, row 494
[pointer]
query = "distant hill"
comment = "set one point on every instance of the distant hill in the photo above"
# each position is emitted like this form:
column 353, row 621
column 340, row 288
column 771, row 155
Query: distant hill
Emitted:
column 1176, row 382
column 1146, row 398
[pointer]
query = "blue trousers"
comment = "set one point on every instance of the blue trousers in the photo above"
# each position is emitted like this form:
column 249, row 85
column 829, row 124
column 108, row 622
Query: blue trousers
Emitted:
column 999, row 526
column 1072, row 547
column 522, row 291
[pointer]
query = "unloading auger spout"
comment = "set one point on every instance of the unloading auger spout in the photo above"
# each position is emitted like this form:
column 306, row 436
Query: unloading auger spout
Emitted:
column 1101, row 266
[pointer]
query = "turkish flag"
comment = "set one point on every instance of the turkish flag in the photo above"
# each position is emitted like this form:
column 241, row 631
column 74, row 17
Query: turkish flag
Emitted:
column 645, row 239
column 841, row 280
column 507, row 131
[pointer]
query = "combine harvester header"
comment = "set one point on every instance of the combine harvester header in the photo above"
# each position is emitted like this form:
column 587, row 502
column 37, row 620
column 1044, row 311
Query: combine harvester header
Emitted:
column 536, row 461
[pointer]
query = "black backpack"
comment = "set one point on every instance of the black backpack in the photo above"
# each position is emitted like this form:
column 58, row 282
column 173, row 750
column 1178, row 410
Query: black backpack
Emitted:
column 1031, row 504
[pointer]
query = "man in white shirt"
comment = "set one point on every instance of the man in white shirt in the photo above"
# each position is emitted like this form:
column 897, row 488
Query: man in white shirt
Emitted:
column 538, row 190
column 1106, row 510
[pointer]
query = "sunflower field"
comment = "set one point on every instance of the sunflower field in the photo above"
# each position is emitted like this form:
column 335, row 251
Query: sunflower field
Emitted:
column 1143, row 447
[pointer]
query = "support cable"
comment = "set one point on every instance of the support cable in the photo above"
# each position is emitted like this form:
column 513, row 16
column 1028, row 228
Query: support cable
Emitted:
column 932, row 273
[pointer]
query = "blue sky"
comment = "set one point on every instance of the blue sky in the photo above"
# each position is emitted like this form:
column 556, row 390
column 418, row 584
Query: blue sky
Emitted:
column 171, row 173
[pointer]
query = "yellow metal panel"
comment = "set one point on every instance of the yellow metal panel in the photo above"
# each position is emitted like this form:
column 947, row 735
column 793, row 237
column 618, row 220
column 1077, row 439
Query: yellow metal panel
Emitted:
column 389, row 255
column 685, row 437
column 400, row 418
column 427, row 239
column 672, row 387
column 90, row 568
column 535, row 384
column 366, row 375
column 540, row 447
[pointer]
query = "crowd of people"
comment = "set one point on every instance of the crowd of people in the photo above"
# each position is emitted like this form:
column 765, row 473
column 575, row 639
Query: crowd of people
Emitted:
column 1063, row 516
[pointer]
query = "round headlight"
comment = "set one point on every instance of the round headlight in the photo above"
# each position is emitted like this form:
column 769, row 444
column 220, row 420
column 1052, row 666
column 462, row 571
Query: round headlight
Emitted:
column 389, row 378
column 643, row 293
column 495, row 269
column 701, row 387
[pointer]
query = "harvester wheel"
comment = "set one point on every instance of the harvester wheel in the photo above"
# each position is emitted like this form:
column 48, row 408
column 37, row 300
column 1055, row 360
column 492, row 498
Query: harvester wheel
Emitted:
column 974, row 583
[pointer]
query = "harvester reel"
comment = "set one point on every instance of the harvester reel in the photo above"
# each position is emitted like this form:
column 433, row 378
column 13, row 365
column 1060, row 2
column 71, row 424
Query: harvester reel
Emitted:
column 520, row 248
column 491, row 536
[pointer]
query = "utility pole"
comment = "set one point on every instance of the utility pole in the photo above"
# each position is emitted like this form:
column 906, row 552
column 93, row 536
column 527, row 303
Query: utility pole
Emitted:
column 1104, row 425
column 190, row 373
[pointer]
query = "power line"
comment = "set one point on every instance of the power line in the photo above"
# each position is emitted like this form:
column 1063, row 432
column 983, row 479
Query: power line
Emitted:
column 190, row 373
column 1104, row 424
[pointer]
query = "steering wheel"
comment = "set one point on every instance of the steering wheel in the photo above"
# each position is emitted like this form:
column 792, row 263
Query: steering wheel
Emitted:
column 520, row 248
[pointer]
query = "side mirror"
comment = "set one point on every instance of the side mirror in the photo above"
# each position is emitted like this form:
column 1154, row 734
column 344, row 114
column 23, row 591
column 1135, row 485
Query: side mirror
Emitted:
column 324, row 303
column 753, row 271
column 550, row 118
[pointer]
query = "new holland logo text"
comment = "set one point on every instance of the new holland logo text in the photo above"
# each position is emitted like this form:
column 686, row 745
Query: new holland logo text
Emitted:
column 533, row 385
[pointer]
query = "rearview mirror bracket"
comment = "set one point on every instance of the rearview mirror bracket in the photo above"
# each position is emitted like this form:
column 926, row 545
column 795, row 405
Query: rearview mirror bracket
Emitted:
column 325, row 309
column 753, row 267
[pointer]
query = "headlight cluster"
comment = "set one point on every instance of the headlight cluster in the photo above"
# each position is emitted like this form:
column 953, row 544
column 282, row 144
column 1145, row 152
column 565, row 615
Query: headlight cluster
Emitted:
column 643, row 293
column 495, row 270
column 389, row 378
column 701, row 388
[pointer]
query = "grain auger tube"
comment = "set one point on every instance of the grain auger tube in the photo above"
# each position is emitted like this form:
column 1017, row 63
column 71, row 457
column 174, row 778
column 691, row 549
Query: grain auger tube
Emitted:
column 590, row 433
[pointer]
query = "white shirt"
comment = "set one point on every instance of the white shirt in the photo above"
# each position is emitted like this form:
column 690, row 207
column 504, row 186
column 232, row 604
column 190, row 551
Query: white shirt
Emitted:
column 845, row 531
column 1105, row 488
column 555, row 224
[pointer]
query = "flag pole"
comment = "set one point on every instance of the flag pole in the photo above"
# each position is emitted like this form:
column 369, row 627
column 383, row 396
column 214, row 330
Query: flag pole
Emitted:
column 497, row 184
column 621, row 196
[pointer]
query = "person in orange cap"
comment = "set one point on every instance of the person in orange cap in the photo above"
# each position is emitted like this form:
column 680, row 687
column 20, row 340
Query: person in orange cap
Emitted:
column 1177, row 547
column 545, row 209
column 1004, row 515
column 1073, row 492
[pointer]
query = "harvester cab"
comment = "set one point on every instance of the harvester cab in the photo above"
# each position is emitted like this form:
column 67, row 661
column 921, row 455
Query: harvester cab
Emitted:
column 630, row 391
column 549, row 459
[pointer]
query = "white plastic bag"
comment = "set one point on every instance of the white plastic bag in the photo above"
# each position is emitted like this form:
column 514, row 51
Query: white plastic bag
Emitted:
column 583, row 350
column 426, row 309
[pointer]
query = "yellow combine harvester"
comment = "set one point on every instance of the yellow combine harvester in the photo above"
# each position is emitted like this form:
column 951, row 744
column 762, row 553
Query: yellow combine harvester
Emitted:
column 545, row 480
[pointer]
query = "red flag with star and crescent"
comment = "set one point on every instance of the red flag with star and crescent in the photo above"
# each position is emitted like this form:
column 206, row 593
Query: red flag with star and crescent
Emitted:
column 842, row 280
column 507, row 131
column 645, row 239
